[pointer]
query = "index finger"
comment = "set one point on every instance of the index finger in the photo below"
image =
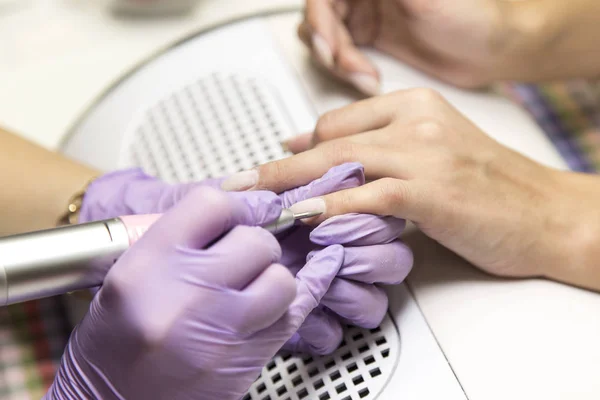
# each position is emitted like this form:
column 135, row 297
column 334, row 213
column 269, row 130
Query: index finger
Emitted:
column 362, row 116
column 301, row 169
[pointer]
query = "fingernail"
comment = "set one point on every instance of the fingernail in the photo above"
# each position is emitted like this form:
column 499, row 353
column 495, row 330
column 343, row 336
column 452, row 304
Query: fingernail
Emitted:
column 322, row 50
column 285, row 146
column 241, row 181
column 366, row 83
column 299, row 143
column 311, row 205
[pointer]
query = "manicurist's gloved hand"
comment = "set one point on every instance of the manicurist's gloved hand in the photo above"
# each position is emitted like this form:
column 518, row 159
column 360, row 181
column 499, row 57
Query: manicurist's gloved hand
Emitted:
column 131, row 191
column 373, row 255
column 196, row 308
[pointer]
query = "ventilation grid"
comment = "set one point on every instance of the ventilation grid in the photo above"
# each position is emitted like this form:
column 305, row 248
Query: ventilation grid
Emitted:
column 218, row 125
column 222, row 124
column 358, row 369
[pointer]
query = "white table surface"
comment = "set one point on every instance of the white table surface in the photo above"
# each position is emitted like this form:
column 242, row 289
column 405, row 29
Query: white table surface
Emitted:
column 504, row 339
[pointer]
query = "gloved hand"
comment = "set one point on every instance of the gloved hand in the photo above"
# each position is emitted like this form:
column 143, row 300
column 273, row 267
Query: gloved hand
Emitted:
column 131, row 191
column 373, row 255
column 176, row 319
column 355, row 299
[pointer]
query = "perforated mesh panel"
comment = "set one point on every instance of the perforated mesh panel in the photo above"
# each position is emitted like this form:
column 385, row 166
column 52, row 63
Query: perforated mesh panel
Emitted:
column 219, row 125
column 216, row 126
column 359, row 369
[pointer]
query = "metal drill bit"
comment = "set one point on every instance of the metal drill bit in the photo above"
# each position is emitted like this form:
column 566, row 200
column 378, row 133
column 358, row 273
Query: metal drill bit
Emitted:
column 287, row 220
column 308, row 214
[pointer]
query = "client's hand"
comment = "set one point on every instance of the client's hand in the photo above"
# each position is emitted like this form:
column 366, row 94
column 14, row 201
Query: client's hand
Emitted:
column 196, row 308
column 427, row 163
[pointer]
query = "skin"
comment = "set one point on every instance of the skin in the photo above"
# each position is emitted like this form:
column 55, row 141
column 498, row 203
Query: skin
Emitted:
column 427, row 163
column 469, row 43
column 37, row 185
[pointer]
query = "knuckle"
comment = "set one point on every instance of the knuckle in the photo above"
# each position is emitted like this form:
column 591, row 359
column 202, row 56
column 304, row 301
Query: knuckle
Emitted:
column 342, row 152
column 429, row 129
column 272, row 174
column 392, row 194
column 425, row 95
column 343, row 202
column 324, row 126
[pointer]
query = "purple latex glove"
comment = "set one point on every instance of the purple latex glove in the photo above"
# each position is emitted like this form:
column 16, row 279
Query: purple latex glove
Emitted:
column 369, row 243
column 131, row 191
column 177, row 320
column 373, row 255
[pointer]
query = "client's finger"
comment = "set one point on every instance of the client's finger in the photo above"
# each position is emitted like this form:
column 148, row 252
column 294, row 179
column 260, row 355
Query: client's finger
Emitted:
column 386, row 197
column 301, row 169
column 359, row 117
column 299, row 143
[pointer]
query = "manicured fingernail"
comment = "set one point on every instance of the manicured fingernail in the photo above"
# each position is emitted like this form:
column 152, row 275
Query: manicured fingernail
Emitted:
column 366, row 83
column 322, row 50
column 241, row 181
column 285, row 146
column 308, row 206
column 299, row 143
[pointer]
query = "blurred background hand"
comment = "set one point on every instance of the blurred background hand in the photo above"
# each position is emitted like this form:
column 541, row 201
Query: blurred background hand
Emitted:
column 468, row 43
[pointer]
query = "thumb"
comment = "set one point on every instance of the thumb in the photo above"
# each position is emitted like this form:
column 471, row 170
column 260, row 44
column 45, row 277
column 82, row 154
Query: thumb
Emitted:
column 206, row 213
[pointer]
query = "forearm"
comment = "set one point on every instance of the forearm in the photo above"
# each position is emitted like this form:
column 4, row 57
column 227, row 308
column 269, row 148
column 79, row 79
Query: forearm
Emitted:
column 37, row 184
column 553, row 39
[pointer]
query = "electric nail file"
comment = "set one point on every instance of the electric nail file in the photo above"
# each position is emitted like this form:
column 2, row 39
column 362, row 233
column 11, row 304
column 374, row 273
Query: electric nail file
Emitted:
column 57, row 261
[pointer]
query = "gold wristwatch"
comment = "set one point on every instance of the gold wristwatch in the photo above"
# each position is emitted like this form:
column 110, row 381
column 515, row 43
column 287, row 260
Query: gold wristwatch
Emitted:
column 71, row 215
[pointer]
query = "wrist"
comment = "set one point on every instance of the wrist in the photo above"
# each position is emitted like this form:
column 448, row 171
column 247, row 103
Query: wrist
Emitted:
column 578, row 207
